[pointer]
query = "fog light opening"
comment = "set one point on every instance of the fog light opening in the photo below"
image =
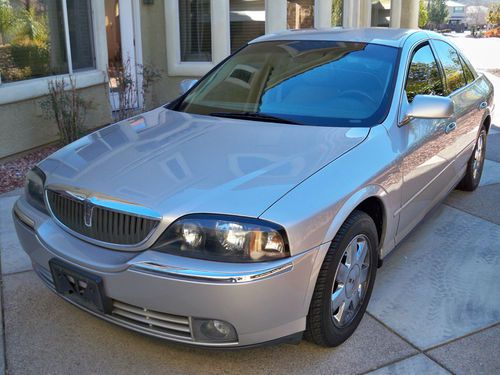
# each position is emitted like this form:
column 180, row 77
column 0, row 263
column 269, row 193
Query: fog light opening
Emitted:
column 213, row 330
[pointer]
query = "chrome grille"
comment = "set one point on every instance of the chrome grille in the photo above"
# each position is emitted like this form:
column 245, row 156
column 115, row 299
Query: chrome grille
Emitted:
column 106, row 225
column 170, row 325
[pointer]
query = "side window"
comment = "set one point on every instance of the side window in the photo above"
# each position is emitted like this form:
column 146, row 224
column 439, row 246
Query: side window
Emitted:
column 423, row 75
column 469, row 76
column 455, row 77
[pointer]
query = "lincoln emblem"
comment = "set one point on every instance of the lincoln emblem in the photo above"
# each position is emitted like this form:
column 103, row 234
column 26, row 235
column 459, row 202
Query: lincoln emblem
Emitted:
column 88, row 208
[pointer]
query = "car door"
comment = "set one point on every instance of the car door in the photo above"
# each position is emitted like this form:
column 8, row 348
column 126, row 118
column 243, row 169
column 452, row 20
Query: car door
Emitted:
column 467, row 95
column 425, row 165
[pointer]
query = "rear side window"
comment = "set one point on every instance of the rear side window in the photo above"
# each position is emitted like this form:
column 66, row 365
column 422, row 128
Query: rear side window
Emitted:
column 423, row 75
column 469, row 76
column 455, row 77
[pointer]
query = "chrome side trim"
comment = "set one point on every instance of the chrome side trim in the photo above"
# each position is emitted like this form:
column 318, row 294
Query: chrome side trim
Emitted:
column 107, row 202
column 25, row 219
column 209, row 276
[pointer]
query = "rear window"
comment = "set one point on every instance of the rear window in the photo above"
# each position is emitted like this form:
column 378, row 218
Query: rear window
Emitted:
column 322, row 83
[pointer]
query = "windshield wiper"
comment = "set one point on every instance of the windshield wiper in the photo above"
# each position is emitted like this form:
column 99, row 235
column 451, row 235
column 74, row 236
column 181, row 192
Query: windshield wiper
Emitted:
column 255, row 116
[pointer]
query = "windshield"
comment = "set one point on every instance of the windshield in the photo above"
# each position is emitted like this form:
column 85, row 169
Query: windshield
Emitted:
column 322, row 83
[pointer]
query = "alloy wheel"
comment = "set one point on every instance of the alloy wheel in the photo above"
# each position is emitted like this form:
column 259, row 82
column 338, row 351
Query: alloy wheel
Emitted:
column 351, row 281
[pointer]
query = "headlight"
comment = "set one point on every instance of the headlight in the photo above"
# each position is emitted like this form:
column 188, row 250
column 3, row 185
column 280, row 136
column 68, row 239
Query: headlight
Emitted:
column 224, row 238
column 35, row 181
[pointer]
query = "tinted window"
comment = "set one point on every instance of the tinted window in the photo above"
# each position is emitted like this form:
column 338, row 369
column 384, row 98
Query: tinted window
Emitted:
column 308, row 82
column 450, row 61
column 423, row 75
column 469, row 76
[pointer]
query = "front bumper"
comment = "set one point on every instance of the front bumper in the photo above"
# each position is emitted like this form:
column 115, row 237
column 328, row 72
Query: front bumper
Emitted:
column 160, row 294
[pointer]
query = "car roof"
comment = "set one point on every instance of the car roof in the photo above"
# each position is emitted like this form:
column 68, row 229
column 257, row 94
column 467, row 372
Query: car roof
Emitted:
column 376, row 35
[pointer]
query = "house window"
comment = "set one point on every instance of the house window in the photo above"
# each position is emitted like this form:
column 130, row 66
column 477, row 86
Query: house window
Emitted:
column 247, row 21
column 34, row 38
column 300, row 14
column 195, row 30
column 80, row 34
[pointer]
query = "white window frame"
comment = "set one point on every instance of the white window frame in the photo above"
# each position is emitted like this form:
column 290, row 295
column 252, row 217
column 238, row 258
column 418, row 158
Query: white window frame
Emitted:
column 32, row 88
column 219, row 14
column 276, row 13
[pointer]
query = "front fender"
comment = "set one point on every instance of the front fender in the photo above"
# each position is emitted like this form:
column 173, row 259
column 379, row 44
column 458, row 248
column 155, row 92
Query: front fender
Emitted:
column 314, row 210
column 350, row 204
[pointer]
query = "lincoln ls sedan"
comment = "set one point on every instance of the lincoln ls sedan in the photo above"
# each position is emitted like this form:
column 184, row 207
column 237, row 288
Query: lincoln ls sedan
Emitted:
column 257, row 206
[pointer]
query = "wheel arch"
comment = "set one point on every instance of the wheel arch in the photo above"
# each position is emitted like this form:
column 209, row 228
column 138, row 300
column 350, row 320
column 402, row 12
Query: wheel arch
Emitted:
column 373, row 201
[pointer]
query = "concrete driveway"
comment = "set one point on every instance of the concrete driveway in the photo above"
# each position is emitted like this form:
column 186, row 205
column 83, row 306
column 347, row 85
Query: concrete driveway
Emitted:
column 435, row 309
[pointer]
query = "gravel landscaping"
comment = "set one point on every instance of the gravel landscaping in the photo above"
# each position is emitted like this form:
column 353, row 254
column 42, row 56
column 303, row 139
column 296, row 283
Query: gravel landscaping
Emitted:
column 13, row 171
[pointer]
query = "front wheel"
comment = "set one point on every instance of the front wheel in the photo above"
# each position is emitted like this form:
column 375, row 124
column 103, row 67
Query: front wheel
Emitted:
column 344, row 283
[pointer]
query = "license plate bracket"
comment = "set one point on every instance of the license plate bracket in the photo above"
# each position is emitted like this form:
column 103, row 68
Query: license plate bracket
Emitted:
column 79, row 286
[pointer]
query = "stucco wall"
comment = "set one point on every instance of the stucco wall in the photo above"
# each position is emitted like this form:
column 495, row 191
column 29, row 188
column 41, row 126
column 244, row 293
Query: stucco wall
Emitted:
column 23, row 126
column 154, row 52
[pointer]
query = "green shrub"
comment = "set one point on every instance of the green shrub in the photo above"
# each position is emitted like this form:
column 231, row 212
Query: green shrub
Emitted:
column 32, row 55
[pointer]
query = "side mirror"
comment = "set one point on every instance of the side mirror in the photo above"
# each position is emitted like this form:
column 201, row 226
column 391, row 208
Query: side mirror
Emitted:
column 186, row 84
column 430, row 107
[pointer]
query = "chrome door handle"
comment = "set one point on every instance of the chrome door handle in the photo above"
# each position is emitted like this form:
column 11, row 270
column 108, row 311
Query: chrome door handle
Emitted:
column 483, row 105
column 450, row 127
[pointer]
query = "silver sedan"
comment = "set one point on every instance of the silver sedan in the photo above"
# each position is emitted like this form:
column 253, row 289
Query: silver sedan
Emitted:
column 257, row 206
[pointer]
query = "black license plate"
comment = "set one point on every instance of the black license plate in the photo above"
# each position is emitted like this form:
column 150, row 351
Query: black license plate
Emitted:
column 79, row 286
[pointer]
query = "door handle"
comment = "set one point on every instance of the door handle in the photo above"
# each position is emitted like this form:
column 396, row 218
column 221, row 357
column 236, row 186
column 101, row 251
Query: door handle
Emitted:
column 450, row 127
column 483, row 105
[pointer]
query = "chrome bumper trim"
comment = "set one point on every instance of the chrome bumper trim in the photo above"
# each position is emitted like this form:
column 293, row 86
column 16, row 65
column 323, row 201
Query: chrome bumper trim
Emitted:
column 209, row 276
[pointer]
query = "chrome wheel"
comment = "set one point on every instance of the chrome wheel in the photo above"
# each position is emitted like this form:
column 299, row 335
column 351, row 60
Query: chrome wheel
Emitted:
column 478, row 156
column 351, row 281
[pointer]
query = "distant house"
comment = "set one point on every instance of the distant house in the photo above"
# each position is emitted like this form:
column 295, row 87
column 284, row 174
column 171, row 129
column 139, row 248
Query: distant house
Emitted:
column 476, row 15
column 456, row 12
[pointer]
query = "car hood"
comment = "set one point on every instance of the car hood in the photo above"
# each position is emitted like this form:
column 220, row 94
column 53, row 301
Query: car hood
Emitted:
column 178, row 163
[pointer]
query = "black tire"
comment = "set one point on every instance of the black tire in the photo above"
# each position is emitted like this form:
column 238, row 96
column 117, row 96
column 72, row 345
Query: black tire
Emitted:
column 322, row 327
column 471, row 180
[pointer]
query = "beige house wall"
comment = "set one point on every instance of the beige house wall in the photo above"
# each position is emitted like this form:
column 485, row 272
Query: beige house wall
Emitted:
column 23, row 126
column 154, row 52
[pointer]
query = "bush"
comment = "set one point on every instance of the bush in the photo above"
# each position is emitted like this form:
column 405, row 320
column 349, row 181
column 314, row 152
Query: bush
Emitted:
column 31, row 54
column 66, row 106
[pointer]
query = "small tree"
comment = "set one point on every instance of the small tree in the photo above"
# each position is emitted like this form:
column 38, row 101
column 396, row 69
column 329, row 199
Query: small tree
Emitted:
column 494, row 14
column 128, row 88
column 423, row 16
column 438, row 12
column 65, row 105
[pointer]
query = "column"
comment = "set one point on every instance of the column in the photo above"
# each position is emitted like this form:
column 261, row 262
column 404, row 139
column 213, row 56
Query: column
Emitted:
column 395, row 13
column 275, row 15
column 323, row 13
column 351, row 13
column 365, row 13
column 409, row 14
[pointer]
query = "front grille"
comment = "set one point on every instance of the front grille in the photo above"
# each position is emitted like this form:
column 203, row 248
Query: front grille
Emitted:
column 160, row 323
column 106, row 225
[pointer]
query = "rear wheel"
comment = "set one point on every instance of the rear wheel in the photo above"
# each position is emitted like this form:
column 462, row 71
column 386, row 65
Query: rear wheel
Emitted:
column 344, row 283
column 472, row 177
